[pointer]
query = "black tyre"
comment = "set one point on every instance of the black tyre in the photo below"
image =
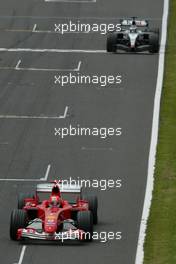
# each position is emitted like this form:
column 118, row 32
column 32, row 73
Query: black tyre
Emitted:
column 18, row 220
column 93, row 206
column 85, row 222
column 154, row 43
column 22, row 197
column 111, row 42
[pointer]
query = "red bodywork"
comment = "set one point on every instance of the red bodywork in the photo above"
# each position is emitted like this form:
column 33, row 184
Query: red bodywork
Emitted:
column 52, row 216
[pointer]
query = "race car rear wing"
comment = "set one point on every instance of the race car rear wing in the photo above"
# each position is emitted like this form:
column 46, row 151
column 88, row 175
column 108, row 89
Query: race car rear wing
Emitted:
column 64, row 188
column 134, row 21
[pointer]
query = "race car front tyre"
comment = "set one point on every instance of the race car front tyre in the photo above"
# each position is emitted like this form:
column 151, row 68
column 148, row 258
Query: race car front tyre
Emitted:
column 18, row 220
column 154, row 43
column 111, row 42
column 22, row 197
column 85, row 223
column 93, row 206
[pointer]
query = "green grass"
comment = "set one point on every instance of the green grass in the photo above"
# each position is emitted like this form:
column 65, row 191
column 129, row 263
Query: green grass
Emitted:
column 160, row 244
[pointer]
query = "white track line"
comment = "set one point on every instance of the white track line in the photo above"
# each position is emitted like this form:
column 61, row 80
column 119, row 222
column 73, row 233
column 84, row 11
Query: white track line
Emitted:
column 52, row 50
column 30, row 180
column 45, row 70
column 79, row 66
column 65, row 113
column 18, row 64
column 21, row 255
column 34, row 28
column 17, row 68
column 45, row 178
column 28, row 117
column 35, row 117
column 154, row 140
column 20, row 180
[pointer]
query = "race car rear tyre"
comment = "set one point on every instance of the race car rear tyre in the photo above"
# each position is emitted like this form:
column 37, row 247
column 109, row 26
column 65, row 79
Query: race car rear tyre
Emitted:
column 22, row 197
column 93, row 206
column 111, row 42
column 18, row 220
column 85, row 223
column 154, row 43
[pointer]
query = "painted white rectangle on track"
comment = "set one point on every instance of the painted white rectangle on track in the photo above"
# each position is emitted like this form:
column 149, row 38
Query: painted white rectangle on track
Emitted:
column 19, row 68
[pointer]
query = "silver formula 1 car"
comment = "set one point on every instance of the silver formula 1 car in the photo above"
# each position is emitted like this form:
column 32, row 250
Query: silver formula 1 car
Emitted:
column 135, row 36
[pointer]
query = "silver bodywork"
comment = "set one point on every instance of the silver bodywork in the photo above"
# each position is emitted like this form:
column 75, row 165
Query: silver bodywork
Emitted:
column 135, row 36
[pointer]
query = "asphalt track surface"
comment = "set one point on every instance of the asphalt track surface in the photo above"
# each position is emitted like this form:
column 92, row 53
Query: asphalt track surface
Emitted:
column 27, row 146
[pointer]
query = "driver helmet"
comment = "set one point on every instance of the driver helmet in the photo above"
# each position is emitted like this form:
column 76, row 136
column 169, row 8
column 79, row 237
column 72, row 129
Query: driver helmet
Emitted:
column 55, row 200
column 133, row 29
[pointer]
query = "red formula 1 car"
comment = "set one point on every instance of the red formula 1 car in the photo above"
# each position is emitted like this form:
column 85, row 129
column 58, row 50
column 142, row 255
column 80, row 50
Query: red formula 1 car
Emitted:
column 54, row 219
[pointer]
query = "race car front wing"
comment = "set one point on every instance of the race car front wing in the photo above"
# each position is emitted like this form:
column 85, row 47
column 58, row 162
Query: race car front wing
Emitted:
column 28, row 233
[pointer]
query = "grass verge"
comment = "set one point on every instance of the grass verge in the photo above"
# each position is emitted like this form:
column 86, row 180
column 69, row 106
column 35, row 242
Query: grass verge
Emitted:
column 160, row 244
